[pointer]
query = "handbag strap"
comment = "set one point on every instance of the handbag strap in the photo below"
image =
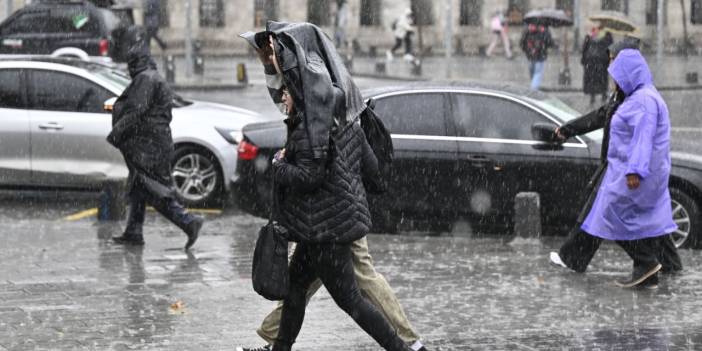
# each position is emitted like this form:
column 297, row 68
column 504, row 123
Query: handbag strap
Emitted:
column 274, row 203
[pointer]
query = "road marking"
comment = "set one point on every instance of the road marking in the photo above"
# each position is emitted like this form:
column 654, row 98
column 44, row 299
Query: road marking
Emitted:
column 82, row 214
column 93, row 212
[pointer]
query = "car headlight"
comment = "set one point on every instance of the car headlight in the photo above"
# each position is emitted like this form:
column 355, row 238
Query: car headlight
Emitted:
column 233, row 136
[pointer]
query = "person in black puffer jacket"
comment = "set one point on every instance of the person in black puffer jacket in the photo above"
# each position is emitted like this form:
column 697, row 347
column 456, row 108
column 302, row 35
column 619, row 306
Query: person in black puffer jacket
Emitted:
column 318, row 177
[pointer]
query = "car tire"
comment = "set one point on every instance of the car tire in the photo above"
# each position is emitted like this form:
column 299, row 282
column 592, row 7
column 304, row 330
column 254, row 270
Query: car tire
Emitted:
column 197, row 177
column 686, row 214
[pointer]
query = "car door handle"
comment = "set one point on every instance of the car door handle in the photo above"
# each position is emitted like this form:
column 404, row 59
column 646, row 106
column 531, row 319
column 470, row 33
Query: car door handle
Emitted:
column 50, row 126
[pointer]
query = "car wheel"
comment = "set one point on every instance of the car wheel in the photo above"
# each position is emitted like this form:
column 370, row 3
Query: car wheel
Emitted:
column 197, row 176
column 686, row 214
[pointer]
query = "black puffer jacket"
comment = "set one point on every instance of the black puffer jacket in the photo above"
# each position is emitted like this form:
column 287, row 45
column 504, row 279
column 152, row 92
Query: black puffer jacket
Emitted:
column 325, row 201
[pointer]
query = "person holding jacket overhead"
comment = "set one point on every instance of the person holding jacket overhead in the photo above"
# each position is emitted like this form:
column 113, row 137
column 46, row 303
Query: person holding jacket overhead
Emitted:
column 318, row 176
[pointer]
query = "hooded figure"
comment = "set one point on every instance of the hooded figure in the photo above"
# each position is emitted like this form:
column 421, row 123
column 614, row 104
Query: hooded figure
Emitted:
column 639, row 144
column 141, row 119
column 580, row 247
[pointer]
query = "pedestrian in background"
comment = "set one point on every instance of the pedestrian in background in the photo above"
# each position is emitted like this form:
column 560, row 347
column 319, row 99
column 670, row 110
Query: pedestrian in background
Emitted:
column 631, row 204
column 152, row 22
column 535, row 42
column 341, row 20
column 403, row 29
column 499, row 31
column 141, row 131
column 595, row 59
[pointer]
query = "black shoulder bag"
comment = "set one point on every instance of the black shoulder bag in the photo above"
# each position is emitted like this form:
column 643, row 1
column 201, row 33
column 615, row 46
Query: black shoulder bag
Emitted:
column 270, row 260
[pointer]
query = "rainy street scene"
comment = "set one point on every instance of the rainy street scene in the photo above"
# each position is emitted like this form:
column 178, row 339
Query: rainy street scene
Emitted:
column 402, row 175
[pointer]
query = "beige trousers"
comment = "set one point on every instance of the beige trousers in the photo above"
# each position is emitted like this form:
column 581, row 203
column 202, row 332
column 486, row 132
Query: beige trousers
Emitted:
column 373, row 286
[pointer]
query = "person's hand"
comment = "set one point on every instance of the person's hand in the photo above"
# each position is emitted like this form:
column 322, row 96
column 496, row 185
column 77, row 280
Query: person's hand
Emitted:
column 266, row 52
column 559, row 135
column 279, row 156
column 633, row 181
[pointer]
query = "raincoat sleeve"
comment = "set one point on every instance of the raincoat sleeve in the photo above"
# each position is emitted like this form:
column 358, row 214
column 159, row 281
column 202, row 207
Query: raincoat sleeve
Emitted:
column 643, row 125
column 138, row 103
column 307, row 174
column 274, row 82
column 586, row 123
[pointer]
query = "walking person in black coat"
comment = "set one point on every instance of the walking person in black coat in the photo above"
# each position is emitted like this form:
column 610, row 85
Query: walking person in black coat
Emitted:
column 595, row 60
column 141, row 130
column 322, row 200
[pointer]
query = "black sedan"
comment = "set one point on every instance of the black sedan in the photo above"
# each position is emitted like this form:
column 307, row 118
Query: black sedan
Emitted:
column 466, row 151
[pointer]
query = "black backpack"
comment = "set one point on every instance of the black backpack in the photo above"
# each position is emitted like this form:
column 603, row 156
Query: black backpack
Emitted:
column 380, row 141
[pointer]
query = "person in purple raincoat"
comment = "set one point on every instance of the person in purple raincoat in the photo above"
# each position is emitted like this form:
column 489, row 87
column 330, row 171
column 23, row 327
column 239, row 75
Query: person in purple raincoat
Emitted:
column 632, row 203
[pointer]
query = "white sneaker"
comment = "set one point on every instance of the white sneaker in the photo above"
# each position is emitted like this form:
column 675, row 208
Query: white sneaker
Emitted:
column 408, row 57
column 388, row 55
column 556, row 259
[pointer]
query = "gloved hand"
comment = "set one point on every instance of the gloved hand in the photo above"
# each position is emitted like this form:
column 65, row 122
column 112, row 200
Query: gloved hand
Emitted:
column 279, row 156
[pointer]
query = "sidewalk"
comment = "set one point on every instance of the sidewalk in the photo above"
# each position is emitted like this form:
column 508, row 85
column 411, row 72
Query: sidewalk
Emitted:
column 64, row 286
column 220, row 71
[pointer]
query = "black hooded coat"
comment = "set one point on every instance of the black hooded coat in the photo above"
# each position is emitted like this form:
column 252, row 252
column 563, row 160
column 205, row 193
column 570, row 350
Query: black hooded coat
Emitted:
column 141, row 120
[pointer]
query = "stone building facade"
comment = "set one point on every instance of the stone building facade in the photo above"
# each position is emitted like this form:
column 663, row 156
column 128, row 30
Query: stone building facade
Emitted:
column 218, row 22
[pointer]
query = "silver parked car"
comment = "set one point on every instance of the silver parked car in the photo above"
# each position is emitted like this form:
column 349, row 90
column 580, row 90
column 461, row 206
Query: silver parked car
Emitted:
column 53, row 129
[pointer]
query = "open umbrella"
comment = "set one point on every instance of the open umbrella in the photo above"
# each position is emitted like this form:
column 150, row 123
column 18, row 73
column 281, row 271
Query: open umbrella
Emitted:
column 548, row 17
column 615, row 22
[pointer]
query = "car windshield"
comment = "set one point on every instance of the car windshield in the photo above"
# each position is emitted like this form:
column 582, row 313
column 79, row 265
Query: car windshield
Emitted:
column 563, row 112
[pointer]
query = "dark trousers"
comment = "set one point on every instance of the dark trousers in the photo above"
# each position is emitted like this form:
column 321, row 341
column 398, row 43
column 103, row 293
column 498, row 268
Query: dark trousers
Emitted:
column 167, row 206
column 580, row 247
column 332, row 264
column 407, row 40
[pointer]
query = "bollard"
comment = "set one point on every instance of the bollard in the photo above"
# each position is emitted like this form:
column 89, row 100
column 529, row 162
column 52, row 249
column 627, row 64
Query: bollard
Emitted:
column 564, row 77
column 241, row 75
column 691, row 78
column 199, row 61
column 380, row 67
column 417, row 67
column 111, row 206
column 169, row 65
column 527, row 215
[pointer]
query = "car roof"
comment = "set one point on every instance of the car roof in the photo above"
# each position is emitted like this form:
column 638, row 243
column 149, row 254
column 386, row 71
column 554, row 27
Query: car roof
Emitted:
column 67, row 61
column 468, row 86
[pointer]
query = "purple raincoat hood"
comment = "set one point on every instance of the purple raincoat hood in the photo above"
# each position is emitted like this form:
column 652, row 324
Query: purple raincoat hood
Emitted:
column 630, row 71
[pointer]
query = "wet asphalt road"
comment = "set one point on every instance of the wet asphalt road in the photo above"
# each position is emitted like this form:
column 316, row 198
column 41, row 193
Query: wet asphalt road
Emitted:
column 64, row 286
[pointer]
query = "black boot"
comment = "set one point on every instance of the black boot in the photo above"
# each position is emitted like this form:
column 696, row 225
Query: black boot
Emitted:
column 129, row 239
column 193, row 230
column 640, row 275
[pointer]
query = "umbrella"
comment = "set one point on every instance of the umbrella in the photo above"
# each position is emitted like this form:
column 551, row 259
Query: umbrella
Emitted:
column 548, row 17
column 615, row 22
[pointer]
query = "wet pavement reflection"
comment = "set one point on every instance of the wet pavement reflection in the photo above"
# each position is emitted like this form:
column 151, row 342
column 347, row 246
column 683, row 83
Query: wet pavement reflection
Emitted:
column 65, row 286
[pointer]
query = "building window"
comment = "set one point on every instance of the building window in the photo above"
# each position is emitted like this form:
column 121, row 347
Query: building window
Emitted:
column 696, row 12
column 211, row 13
column 568, row 6
column 471, row 12
column 319, row 12
column 265, row 10
column 516, row 9
column 652, row 11
column 616, row 5
column 423, row 11
column 370, row 12
column 163, row 20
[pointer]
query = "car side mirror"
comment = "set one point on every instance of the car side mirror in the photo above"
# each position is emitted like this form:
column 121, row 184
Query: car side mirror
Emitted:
column 109, row 104
column 546, row 133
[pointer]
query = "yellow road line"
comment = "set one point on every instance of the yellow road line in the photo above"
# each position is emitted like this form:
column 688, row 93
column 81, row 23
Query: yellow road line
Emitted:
column 81, row 215
column 93, row 212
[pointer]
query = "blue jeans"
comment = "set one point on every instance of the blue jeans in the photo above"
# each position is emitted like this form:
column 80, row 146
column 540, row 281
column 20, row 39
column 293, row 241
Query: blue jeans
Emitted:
column 536, row 72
